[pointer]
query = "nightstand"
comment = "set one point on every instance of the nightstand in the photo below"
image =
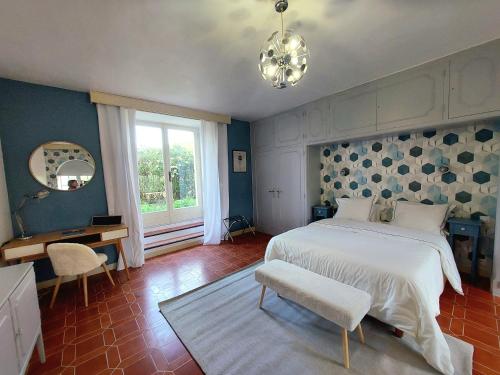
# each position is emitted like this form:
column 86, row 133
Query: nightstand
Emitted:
column 321, row 212
column 469, row 228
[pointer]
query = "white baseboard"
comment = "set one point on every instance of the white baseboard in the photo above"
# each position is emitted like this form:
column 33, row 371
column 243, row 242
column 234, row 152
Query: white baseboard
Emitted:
column 161, row 250
column 147, row 255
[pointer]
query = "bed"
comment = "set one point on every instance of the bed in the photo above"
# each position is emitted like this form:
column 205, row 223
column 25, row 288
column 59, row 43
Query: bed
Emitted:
column 403, row 269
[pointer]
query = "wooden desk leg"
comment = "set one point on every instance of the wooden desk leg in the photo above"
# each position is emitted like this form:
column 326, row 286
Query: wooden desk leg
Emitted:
column 119, row 247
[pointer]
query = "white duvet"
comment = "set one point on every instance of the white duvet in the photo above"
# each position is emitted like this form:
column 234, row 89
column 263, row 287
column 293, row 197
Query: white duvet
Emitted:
column 403, row 269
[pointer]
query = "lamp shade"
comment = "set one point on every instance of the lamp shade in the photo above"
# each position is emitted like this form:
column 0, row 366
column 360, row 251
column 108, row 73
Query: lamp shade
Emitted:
column 283, row 60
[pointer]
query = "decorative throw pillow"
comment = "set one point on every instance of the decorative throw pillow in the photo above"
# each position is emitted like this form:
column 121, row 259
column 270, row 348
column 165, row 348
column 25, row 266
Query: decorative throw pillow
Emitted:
column 354, row 208
column 377, row 210
column 420, row 216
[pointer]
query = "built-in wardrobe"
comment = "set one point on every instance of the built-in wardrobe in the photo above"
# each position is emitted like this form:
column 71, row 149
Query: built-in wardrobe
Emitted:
column 285, row 148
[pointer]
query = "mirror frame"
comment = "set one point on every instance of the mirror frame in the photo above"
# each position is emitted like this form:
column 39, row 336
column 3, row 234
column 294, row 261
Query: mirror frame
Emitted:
column 59, row 141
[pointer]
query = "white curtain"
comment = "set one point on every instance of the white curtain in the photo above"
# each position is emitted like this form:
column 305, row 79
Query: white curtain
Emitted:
column 119, row 159
column 215, row 180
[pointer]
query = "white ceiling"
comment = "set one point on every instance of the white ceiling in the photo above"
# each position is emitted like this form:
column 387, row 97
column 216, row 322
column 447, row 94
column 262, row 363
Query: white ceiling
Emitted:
column 204, row 53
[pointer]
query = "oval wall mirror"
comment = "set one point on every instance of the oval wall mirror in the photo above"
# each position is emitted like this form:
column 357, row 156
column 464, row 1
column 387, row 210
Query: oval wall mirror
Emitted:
column 62, row 166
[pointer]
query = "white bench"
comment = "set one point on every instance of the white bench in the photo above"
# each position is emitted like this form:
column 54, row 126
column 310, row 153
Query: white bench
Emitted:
column 342, row 304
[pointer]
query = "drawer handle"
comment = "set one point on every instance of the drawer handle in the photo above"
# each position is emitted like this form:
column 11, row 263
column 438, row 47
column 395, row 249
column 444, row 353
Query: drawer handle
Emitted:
column 463, row 228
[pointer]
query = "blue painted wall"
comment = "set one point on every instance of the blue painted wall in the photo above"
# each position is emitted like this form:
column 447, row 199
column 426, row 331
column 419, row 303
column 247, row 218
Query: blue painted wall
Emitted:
column 29, row 116
column 240, row 184
column 33, row 114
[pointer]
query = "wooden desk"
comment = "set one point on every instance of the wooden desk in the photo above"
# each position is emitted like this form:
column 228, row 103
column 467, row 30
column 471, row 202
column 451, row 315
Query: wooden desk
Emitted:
column 35, row 248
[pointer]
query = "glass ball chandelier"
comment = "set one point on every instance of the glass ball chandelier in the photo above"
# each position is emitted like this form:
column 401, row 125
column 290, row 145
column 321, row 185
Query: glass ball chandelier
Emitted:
column 284, row 57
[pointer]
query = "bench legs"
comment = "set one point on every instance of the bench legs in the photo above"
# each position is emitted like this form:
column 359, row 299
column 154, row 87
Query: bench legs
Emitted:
column 262, row 295
column 345, row 337
column 345, row 343
column 361, row 334
column 345, row 347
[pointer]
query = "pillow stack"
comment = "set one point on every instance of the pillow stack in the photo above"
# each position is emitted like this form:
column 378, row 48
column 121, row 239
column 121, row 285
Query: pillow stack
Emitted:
column 412, row 215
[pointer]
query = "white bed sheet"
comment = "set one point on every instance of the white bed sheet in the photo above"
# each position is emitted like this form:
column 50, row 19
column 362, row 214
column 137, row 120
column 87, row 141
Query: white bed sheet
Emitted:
column 403, row 269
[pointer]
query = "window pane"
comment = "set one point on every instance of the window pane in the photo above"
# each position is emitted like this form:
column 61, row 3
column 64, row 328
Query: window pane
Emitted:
column 181, row 144
column 151, row 169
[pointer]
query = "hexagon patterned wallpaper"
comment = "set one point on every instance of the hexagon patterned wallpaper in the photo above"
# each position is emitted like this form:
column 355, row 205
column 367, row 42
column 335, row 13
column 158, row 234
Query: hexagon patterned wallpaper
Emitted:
column 409, row 167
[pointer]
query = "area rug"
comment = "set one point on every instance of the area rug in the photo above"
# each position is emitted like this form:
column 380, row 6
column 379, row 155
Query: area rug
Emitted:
column 226, row 333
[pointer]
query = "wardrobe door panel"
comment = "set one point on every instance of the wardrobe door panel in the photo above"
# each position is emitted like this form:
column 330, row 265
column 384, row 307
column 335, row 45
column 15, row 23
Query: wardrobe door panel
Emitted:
column 289, row 128
column 354, row 112
column 263, row 135
column 415, row 97
column 290, row 192
column 475, row 81
column 265, row 192
column 316, row 118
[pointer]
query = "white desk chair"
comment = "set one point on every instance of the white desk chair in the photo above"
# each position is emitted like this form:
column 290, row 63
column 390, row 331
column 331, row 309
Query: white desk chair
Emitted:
column 74, row 259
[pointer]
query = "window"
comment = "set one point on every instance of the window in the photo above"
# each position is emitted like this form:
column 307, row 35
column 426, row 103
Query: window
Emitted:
column 168, row 156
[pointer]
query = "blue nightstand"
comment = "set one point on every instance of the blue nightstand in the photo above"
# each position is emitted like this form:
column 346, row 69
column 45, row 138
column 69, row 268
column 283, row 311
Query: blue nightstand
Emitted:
column 322, row 212
column 470, row 228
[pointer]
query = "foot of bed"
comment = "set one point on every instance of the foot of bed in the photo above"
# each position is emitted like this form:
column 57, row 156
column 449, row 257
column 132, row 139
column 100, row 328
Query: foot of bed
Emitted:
column 398, row 333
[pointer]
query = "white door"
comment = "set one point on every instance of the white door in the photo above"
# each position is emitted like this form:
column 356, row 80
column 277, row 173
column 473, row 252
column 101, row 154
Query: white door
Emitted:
column 289, row 194
column 475, row 81
column 8, row 352
column 169, row 173
column 265, row 192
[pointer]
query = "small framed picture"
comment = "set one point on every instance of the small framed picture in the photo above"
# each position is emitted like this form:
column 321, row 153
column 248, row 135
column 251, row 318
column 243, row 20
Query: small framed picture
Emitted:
column 239, row 161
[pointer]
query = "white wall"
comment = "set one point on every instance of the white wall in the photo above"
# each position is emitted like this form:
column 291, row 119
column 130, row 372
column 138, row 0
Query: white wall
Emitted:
column 5, row 217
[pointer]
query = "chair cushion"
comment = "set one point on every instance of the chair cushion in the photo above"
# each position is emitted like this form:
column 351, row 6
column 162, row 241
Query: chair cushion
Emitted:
column 102, row 257
column 71, row 259
column 340, row 303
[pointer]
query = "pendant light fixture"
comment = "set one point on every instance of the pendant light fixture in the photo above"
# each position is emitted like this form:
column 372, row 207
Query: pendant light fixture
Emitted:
column 284, row 57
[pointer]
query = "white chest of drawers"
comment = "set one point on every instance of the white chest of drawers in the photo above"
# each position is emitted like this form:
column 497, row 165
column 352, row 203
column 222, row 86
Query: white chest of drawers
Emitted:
column 20, row 327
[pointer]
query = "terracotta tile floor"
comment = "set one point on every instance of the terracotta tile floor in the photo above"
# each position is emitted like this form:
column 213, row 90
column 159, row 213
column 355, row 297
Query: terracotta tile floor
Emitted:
column 122, row 331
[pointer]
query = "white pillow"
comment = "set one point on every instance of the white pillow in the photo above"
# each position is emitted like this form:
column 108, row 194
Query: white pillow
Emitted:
column 420, row 216
column 354, row 208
